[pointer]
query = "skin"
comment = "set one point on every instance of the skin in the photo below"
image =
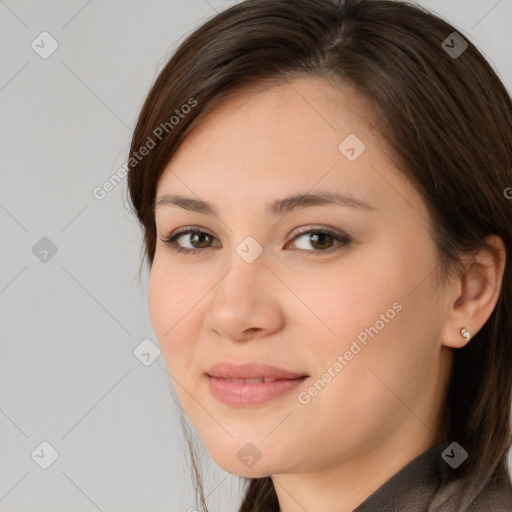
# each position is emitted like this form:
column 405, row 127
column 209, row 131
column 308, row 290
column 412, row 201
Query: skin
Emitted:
column 301, row 312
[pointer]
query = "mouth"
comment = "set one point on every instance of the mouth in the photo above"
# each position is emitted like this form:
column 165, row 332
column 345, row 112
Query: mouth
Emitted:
column 252, row 392
column 256, row 372
column 262, row 380
column 251, row 384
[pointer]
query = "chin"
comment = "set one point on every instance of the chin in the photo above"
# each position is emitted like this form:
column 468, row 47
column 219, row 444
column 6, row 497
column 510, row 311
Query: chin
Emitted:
column 243, row 459
column 240, row 470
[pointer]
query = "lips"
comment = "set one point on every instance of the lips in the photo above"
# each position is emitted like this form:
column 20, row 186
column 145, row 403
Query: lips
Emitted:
column 251, row 384
column 252, row 372
column 251, row 381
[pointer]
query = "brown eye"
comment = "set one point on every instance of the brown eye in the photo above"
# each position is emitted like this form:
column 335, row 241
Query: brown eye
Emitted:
column 321, row 240
column 198, row 239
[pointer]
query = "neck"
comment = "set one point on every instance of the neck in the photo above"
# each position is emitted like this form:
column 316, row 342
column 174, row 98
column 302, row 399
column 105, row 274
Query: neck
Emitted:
column 344, row 486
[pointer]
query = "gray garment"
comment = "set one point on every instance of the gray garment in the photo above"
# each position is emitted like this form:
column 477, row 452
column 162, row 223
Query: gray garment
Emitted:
column 416, row 488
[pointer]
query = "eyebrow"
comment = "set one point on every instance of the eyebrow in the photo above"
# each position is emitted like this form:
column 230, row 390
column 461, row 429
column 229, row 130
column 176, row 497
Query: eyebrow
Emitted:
column 275, row 208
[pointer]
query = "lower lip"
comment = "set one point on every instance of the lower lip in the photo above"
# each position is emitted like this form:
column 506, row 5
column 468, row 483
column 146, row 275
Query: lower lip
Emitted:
column 247, row 394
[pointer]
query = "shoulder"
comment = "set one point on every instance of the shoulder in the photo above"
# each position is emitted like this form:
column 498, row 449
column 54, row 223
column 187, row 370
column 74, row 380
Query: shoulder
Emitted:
column 496, row 497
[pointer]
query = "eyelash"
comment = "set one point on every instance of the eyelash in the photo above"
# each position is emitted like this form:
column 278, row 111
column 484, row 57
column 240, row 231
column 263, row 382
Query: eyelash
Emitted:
column 171, row 240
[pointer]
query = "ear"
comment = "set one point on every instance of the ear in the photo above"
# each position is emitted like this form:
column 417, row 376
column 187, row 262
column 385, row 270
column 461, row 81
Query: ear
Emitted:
column 473, row 296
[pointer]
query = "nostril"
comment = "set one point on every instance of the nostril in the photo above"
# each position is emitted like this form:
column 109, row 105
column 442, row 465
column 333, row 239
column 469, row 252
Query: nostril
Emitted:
column 248, row 333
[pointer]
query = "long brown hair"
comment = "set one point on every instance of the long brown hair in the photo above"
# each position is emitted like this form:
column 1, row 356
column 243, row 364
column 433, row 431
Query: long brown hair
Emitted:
column 446, row 116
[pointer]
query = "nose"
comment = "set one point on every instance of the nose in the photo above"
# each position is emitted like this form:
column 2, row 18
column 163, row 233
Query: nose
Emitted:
column 246, row 302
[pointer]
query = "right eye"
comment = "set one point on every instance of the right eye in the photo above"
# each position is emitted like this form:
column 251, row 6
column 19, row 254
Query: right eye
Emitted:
column 196, row 236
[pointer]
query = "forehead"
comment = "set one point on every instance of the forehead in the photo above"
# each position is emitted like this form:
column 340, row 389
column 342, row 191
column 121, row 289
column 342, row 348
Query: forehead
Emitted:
column 309, row 111
column 264, row 141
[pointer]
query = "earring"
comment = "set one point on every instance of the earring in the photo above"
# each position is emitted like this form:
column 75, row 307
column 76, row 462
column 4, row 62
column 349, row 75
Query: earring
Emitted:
column 465, row 333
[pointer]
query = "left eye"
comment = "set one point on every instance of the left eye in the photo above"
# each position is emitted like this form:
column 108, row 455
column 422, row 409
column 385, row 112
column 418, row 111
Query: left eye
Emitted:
column 321, row 239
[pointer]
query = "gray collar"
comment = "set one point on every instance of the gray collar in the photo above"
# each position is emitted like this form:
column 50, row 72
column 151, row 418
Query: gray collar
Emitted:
column 417, row 488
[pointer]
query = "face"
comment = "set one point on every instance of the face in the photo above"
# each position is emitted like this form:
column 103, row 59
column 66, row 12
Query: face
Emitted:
column 339, row 293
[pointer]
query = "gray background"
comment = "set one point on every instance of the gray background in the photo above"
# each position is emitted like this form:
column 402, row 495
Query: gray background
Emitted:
column 70, row 321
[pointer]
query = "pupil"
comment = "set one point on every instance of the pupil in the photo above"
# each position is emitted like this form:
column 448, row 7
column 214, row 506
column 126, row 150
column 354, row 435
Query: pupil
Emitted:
column 317, row 236
column 196, row 235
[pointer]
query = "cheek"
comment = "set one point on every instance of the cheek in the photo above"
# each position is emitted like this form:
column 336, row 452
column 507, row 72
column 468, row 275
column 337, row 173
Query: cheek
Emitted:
column 159, row 297
column 344, row 301
column 387, row 350
column 171, row 309
column 375, row 314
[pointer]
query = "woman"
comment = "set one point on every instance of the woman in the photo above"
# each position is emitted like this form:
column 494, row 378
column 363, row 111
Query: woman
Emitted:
column 322, row 186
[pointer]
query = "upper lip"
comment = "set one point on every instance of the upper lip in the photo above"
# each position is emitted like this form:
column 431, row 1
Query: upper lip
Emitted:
column 227, row 370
